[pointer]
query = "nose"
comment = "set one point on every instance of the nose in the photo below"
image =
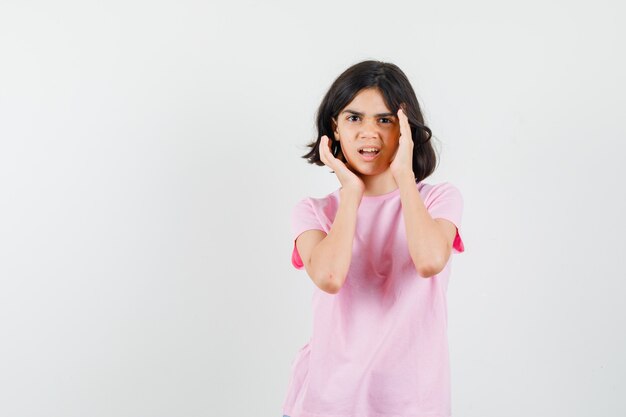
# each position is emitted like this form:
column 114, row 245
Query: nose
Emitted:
column 369, row 127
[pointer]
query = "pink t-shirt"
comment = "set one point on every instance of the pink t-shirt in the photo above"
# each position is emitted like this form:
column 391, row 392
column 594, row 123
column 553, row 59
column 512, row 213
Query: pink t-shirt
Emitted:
column 379, row 346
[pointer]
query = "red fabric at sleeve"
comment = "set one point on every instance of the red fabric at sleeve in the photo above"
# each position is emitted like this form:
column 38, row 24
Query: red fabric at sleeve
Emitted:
column 445, row 201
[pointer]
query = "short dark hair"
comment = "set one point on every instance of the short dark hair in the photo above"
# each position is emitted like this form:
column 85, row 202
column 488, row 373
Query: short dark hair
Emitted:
column 395, row 89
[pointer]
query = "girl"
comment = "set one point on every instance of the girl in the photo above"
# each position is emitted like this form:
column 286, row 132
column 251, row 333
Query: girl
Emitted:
column 378, row 250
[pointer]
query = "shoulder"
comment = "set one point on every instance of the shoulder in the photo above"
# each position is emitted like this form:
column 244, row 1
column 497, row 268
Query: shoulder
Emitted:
column 440, row 191
column 326, row 204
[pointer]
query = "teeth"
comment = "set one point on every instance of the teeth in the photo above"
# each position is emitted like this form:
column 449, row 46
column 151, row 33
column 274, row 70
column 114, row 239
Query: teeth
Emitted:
column 369, row 150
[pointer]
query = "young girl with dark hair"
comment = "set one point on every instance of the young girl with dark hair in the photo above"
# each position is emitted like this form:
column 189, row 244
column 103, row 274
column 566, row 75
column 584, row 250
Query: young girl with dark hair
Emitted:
column 378, row 250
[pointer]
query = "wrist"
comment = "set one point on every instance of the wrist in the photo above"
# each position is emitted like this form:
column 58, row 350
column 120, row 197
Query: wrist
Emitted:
column 351, row 193
column 405, row 176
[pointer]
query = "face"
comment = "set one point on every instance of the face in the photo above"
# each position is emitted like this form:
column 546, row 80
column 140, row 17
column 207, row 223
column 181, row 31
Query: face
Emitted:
column 366, row 122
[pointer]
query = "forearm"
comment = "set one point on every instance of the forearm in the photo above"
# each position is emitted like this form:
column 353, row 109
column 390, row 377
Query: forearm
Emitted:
column 425, row 241
column 333, row 254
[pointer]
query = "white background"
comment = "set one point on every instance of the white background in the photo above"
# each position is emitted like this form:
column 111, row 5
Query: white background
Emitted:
column 150, row 160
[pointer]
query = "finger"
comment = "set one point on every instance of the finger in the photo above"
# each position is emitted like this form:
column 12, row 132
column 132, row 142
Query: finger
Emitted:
column 325, row 151
column 405, row 128
column 323, row 147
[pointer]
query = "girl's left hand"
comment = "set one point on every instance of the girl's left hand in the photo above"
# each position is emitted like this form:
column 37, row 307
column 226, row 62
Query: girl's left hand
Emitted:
column 402, row 161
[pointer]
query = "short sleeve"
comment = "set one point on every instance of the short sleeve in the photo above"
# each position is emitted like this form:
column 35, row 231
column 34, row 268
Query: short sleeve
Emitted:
column 446, row 202
column 303, row 218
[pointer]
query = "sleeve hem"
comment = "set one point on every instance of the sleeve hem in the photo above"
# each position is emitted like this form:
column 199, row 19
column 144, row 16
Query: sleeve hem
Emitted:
column 296, row 261
column 458, row 246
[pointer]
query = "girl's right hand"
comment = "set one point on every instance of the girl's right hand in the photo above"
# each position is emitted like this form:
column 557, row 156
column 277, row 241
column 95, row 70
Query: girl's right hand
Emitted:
column 348, row 179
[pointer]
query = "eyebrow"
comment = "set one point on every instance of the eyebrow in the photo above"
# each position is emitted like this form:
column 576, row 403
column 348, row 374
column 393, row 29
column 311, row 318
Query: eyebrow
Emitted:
column 361, row 114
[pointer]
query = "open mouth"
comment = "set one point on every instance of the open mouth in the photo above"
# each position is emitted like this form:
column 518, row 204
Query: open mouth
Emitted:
column 369, row 153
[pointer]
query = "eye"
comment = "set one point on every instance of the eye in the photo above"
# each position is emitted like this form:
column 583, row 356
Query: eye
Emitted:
column 387, row 120
column 351, row 116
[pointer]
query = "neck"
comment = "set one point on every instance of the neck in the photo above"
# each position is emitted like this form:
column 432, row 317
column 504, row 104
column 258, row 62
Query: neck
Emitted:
column 382, row 183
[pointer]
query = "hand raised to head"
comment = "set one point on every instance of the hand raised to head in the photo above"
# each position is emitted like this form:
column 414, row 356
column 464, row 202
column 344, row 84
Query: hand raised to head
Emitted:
column 347, row 178
column 402, row 161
